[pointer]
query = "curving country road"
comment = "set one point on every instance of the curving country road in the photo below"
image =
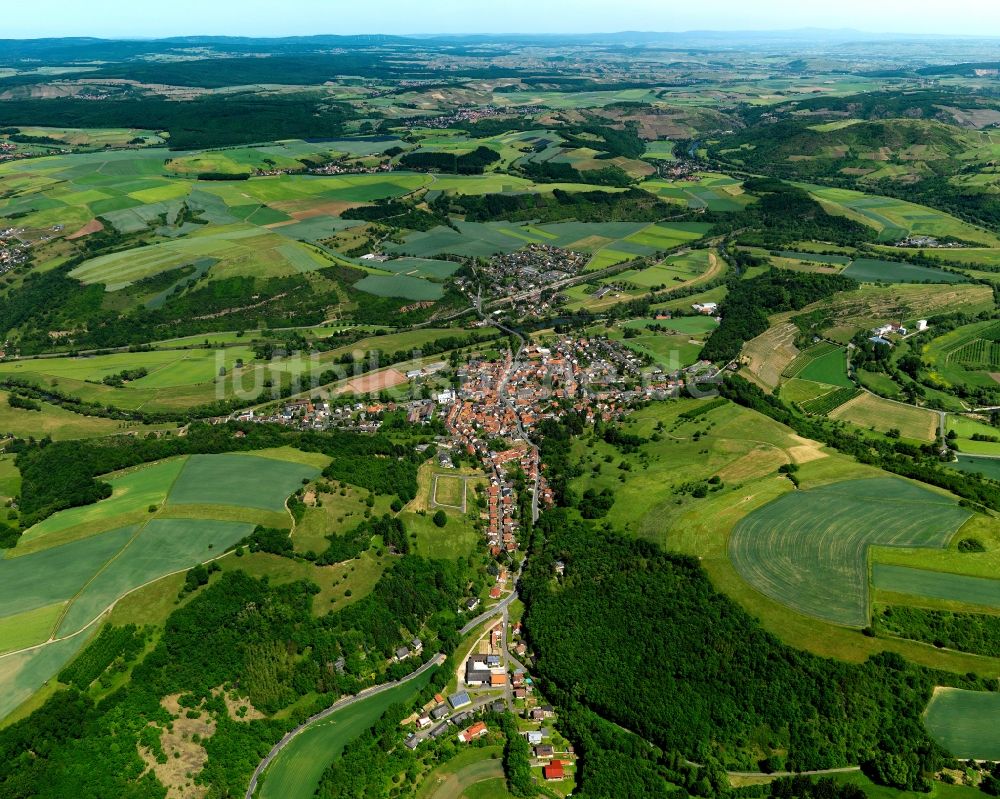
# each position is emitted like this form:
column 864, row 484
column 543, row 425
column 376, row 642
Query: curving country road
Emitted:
column 437, row 660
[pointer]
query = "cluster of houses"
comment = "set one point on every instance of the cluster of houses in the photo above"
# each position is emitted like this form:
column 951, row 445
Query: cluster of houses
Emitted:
column 13, row 252
column 928, row 242
column 881, row 334
column 477, row 418
column 468, row 116
column 352, row 168
column 535, row 267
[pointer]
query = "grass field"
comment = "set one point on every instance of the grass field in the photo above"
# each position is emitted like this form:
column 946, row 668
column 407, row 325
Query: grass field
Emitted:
column 965, row 723
column 162, row 518
column 471, row 773
column 242, row 480
column 459, row 537
column 869, row 270
column 897, row 219
column 809, row 549
column 295, row 773
column 822, row 363
column 870, row 411
column 980, row 591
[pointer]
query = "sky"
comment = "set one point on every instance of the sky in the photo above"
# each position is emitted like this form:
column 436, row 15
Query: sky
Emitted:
column 130, row 18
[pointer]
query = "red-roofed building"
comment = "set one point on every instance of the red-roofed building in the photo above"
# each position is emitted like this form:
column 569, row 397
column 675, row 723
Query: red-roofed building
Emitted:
column 554, row 771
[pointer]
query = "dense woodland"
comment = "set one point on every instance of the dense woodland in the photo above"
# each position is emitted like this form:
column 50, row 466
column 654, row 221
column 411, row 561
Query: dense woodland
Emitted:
column 701, row 677
column 631, row 205
column 978, row 633
column 210, row 121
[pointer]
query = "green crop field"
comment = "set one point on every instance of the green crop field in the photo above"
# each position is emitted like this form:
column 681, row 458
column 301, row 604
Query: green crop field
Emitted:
column 897, row 219
column 870, row 270
column 296, row 771
column 989, row 467
column 405, row 286
column 809, row 549
column 829, row 401
column 821, row 363
column 133, row 492
column 964, row 723
column 67, row 570
column 242, row 480
column 24, row 672
column 961, row 588
column 717, row 193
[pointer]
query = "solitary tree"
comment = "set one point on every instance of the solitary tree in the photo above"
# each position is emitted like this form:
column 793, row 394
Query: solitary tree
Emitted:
column 440, row 519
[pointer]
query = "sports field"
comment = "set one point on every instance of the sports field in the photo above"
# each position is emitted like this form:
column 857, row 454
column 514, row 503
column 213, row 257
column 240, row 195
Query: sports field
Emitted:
column 964, row 723
column 296, row 771
column 980, row 591
column 809, row 549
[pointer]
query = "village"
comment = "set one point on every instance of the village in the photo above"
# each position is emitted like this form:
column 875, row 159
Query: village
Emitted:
column 491, row 680
column 13, row 252
column 537, row 266
column 466, row 116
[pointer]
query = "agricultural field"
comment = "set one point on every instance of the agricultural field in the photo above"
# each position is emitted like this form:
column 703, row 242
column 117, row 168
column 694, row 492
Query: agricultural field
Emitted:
column 483, row 239
column 714, row 192
column 870, row 411
column 296, row 772
column 965, row 723
column 767, row 357
column 67, row 571
column 841, row 316
column 821, row 363
column 988, row 467
column 809, row 550
column 674, row 272
column 870, row 270
column 966, row 355
column 178, row 378
column 979, row 592
column 472, row 774
column 897, row 219
column 827, row 402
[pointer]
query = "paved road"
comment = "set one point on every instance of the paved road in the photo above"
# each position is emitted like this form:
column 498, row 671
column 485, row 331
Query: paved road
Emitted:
column 437, row 660
column 844, row 770
column 496, row 610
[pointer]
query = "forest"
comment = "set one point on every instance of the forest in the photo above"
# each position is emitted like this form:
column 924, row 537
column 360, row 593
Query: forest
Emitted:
column 631, row 205
column 216, row 120
column 642, row 638
column 978, row 633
